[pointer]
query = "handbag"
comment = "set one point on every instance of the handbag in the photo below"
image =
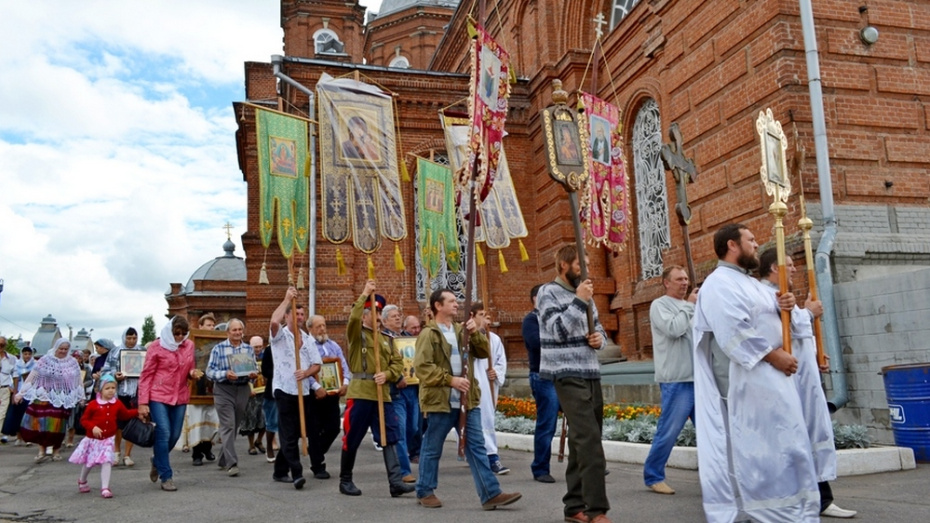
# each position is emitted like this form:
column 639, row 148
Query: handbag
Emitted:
column 139, row 432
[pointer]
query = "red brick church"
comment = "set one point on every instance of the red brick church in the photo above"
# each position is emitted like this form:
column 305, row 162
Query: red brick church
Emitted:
column 708, row 65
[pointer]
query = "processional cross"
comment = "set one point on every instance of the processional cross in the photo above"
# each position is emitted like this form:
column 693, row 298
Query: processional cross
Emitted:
column 599, row 22
column 228, row 228
column 673, row 157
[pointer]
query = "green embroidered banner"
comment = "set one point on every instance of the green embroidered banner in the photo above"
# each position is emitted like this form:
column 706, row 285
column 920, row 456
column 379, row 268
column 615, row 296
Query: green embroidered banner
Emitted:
column 436, row 208
column 284, row 165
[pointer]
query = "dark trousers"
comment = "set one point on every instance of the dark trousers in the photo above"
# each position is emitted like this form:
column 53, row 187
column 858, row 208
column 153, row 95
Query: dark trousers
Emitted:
column 288, row 458
column 326, row 417
column 826, row 495
column 361, row 415
column 583, row 405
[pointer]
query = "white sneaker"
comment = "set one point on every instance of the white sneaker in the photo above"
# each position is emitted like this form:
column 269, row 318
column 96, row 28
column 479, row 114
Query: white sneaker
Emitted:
column 48, row 451
column 834, row 511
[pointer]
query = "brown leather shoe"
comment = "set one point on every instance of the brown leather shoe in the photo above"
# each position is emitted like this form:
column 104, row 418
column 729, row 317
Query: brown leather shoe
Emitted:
column 501, row 500
column 661, row 488
column 409, row 478
column 430, row 501
column 580, row 517
column 600, row 518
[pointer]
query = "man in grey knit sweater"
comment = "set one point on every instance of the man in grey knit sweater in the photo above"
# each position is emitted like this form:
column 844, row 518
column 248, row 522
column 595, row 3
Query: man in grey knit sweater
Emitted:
column 567, row 357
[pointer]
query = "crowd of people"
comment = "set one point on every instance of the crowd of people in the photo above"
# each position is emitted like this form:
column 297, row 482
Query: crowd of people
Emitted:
column 765, row 440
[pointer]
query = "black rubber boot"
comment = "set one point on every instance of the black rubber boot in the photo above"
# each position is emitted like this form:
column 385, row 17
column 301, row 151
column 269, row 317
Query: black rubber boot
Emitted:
column 395, row 478
column 346, row 465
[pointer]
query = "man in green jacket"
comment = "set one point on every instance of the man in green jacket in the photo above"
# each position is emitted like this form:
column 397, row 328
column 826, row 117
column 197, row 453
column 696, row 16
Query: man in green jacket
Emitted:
column 444, row 388
column 362, row 397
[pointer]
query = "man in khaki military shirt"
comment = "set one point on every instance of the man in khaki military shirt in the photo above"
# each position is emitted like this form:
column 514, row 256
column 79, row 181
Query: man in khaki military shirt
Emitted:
column 362, row 397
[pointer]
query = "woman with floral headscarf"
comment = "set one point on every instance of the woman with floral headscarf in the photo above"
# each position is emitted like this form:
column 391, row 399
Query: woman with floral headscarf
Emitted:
column 53, row 388
column 164, row 393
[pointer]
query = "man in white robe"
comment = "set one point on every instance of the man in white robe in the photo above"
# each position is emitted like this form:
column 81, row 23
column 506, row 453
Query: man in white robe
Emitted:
column 813, row 401
column 754, row 454
column 490, row 373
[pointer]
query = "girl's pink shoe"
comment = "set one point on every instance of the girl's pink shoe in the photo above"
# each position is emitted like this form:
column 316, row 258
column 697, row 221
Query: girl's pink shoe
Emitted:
column 83, row 488
column 106, row 493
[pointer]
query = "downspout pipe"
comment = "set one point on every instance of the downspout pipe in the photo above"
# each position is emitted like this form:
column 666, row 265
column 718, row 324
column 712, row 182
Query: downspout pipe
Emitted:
column 276, row 62
column 822, row 266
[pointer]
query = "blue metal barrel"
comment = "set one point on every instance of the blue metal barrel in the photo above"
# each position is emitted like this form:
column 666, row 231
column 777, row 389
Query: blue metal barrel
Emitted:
column 908, row 390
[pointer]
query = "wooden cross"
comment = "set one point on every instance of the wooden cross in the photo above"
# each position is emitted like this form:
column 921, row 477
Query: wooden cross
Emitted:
column 673, row 157
column 599, row 23
column 228, row 228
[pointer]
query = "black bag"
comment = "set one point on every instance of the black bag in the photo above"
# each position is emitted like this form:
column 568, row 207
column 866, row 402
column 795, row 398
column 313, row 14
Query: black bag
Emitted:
column 139, row 432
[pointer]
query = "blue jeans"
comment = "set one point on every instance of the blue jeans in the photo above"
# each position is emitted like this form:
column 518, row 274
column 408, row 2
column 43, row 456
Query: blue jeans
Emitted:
column 168, row 420
column 406, row 403
column 677, row 407
column 547, row 414
column 440, row 423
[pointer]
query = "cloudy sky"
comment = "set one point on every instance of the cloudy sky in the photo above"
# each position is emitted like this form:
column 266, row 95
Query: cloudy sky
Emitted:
column 118, row 165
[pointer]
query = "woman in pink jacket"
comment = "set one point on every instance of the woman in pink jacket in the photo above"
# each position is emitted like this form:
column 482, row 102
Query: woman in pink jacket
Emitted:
column 164, row 393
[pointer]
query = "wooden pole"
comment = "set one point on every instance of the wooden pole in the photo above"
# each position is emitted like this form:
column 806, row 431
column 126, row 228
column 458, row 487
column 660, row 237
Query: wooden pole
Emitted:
column 298, row 341
column 561, row 456
column 377, row 351
column 579, row 246
column 806, row 224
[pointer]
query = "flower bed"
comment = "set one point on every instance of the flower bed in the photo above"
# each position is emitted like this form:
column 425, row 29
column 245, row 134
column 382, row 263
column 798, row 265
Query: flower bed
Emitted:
column 636, row 423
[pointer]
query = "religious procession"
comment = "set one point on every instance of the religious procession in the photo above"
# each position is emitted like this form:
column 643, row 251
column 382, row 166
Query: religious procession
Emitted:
column 404, row 273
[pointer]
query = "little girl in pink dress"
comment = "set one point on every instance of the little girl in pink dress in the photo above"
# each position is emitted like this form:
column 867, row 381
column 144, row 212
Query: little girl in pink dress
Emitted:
column 99, row 420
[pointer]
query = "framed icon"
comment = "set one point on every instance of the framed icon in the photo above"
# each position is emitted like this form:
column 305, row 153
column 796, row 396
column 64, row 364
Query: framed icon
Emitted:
column 330, row 376
column 407, row 347
column 204, row 341
column 131, row 362
column 243, row 363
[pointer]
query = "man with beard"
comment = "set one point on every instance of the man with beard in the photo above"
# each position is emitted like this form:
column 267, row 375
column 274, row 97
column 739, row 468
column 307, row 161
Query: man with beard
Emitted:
column 325, row 405
column 568, row 357
column 816, row 413
column 754, row 453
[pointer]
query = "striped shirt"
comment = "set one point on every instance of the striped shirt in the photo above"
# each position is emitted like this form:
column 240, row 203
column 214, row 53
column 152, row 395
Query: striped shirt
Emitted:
column 219, row 362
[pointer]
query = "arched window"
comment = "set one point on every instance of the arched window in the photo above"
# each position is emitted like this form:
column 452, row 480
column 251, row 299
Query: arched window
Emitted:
column 400, row 62
column 446, row 279
column 620, row 10
column 326, row 41
column 651, row 195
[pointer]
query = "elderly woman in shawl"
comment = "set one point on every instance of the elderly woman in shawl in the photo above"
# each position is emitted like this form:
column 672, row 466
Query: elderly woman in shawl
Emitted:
column 164, row 393
column 53, row 388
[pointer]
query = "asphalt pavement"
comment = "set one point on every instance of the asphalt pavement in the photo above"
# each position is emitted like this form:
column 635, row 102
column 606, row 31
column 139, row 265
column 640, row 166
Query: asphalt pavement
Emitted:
column 48, row 492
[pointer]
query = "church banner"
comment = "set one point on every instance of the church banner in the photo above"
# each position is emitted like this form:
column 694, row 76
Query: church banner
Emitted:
column 360, row 185
column 435, row 208
column 499, row 216
column 605, row 209
column 487, row 105
column 284, row 164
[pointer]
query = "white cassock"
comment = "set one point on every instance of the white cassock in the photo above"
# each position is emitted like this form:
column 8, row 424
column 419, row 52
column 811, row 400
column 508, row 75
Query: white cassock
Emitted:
column 754, row 454
column 498, row 359
column 813, row 400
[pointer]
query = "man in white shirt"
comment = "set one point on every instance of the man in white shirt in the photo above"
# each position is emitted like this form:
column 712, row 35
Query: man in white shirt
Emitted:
column 286, row 377
column 490, row 373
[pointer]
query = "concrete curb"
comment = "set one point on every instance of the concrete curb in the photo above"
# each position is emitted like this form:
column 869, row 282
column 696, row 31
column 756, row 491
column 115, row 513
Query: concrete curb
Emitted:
column 849, row 462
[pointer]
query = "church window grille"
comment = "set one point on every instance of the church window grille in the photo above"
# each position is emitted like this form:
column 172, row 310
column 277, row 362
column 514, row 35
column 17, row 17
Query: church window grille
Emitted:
column 326, row 41
column 651, row 194
column 400, row 62
column 620, row 10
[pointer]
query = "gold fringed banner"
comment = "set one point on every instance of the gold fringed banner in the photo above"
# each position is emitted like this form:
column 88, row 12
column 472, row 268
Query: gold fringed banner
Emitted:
column 500, row 260
column 398, row 259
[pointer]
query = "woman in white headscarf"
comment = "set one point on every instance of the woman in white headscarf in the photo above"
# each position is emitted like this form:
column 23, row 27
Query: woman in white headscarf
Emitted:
column 53, row 388
column 164, row 393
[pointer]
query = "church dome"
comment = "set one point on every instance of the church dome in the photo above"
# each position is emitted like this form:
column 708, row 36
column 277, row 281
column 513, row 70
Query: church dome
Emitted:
column 390, row 6
column 227, row 267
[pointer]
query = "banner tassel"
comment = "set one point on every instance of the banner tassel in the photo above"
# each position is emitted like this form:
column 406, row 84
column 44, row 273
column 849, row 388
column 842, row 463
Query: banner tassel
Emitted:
column 263, row 275
column 524, row 256
column 340, row 263
column 300, row 278
column 500, row 259
column 479, row 255
column 398, row 259
column 371, row 268
column 404, row 175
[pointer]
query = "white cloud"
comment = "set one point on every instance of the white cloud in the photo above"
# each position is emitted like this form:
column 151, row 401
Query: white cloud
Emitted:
column 119, row 161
